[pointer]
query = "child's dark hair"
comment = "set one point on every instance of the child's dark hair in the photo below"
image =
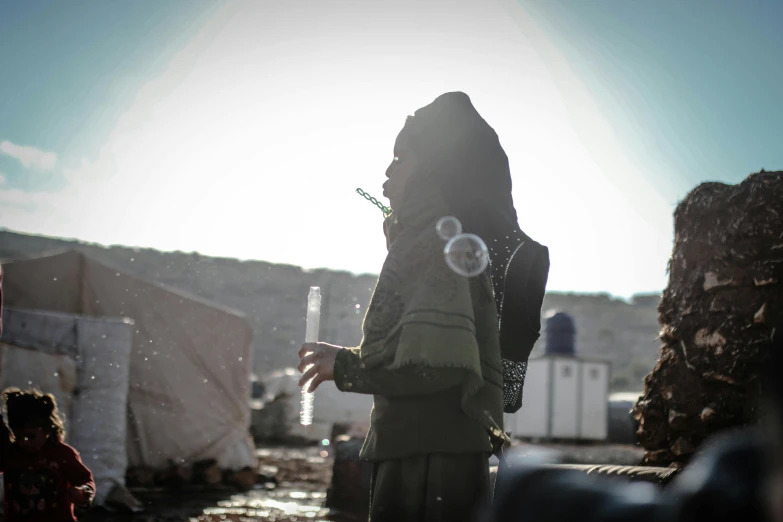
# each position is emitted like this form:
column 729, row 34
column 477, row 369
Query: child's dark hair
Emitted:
column 26, row 408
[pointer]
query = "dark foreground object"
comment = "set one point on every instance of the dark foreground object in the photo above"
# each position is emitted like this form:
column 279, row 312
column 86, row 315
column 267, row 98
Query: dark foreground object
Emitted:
column 349, row 491
column 725, row 483
column 659, row 476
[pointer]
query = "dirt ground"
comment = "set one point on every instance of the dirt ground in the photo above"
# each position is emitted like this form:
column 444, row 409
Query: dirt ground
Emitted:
column 302, row 477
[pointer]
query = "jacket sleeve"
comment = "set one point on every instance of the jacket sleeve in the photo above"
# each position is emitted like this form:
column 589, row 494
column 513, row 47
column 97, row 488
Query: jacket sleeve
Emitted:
column 350, row 375
column 77, row 474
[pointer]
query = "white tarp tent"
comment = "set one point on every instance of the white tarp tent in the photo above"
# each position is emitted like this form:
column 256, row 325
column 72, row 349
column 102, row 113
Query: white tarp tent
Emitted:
column 330, row 405
column 84, row 363
column 189, row 365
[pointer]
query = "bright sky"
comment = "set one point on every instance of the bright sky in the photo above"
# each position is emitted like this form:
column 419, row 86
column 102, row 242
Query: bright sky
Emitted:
column 242, row 128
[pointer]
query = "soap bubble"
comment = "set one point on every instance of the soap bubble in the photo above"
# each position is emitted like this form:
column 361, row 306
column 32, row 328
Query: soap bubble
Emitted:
column 448, row 227
column 467, row 255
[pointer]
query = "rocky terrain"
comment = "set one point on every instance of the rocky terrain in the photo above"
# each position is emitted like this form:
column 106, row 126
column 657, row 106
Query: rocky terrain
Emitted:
column 273, row 297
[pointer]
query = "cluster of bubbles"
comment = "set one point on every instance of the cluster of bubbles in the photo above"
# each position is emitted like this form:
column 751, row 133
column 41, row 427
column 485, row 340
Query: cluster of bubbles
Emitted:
column 466, row 254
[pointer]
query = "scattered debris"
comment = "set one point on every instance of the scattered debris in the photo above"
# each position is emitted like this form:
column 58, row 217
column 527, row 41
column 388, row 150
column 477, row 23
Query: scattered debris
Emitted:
column 202, row 474
column 289, row 485
column 207, row 472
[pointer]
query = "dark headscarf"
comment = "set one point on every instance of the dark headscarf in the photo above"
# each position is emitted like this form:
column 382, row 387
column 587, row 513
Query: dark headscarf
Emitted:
column 463, row 169
column 460, row 157
column 422, row 313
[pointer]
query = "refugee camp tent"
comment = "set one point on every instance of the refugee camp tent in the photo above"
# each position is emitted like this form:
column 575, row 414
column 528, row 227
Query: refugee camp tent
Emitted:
column 190, row 361
column 84, row 364
column 330, row 405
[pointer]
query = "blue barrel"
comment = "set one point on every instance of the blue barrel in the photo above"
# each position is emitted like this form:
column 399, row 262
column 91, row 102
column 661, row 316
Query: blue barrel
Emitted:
column 560, row 334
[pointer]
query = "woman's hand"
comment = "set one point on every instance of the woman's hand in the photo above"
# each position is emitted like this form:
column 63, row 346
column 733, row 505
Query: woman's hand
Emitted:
column 316, row 361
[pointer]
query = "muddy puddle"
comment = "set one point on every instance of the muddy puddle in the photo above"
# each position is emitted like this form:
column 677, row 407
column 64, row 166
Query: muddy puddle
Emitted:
column 297, row 493
column 277, row 505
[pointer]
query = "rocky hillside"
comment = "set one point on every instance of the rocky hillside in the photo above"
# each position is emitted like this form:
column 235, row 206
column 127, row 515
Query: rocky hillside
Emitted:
column 273, row 297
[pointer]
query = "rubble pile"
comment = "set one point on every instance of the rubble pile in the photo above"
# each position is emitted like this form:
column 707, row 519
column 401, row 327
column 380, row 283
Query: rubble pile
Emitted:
column 718, row 314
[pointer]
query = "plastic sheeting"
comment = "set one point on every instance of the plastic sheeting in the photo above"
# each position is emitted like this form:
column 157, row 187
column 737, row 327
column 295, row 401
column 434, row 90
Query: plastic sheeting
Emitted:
column 46, row 333
column 100, row 409
column 55, row 374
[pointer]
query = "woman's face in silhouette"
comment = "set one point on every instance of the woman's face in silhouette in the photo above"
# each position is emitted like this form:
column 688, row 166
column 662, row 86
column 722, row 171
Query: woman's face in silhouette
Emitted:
column 399, row 171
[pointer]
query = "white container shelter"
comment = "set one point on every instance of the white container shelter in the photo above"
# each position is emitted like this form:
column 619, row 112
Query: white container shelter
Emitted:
column 564, row 398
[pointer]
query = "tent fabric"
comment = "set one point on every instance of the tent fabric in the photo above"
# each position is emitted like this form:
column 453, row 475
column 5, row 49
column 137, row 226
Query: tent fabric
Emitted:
column 40, row 351
column 43, row 332
column 55, row 374
column 100, row 410
column 190, row 362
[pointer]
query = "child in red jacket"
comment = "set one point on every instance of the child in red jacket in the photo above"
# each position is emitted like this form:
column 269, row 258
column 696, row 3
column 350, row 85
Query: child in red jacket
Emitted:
column 44, row 477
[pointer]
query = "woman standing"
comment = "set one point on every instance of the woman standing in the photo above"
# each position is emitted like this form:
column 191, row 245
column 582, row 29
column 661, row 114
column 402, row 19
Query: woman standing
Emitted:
column 430, row 354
